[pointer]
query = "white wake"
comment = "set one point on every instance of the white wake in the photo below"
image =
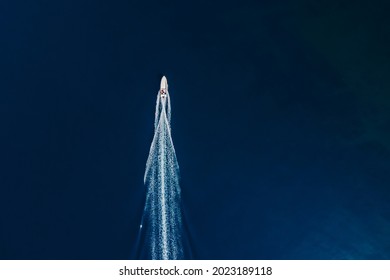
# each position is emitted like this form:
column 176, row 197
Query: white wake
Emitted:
column 161, row 224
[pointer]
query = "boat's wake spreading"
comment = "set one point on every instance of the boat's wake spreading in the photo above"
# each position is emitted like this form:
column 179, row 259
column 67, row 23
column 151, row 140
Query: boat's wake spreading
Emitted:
column 161, row 225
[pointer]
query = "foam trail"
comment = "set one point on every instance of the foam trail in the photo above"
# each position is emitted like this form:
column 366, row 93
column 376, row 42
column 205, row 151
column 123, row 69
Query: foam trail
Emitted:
column 161, row 225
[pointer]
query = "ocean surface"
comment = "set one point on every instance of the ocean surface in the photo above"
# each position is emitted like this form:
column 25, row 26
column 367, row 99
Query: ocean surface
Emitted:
column 280, row 119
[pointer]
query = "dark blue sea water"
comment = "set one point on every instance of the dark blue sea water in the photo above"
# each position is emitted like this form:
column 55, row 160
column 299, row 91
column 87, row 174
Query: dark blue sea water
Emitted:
column 280, row 119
